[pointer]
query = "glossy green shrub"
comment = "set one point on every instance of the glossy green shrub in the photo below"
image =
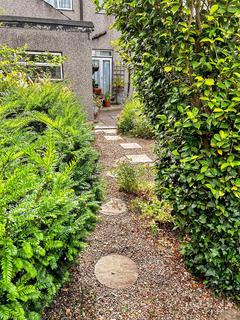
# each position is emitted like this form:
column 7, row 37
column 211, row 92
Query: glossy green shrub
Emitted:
column 49, row 194
column 186, row 59
column 133, row 122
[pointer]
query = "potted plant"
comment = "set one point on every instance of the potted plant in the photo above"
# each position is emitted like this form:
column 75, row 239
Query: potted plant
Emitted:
column 119, row 88
column 107, row 99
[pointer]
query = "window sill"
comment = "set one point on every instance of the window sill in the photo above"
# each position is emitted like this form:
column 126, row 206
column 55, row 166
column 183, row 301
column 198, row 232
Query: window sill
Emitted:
column 65, row 9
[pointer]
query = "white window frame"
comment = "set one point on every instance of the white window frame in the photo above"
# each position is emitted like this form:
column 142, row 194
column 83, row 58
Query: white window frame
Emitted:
column 56, row 4
column 44, row 64
column 60, row 8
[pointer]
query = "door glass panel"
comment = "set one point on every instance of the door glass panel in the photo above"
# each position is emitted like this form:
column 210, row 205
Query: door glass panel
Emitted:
column 106, row 76
column 96, row 75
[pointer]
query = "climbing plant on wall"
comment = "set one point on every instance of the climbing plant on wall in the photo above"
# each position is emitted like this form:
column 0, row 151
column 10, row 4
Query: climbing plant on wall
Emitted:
column 186, row 57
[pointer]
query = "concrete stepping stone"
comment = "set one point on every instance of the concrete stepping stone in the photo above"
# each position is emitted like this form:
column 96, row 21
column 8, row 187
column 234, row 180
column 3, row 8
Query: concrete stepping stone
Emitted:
column 114, row 207
column 230, row 315
column 113, row 138
column 104, row 127
column 130, row 146
column 106, row 131
column 139, row 158
column 116, row 271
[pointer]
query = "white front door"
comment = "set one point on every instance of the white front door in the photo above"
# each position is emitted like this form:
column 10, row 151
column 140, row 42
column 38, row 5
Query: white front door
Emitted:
column 103, row 77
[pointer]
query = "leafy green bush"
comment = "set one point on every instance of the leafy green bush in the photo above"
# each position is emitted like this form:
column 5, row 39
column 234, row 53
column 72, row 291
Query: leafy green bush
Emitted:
column 133, row 122
column 49, row 194
column 186, row 59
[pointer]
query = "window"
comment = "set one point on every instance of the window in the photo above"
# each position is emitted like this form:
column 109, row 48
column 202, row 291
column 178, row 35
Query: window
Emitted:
column 64, row 4
column 39, row 62
column 61, row 4
column 102, row 53
column 101, row 10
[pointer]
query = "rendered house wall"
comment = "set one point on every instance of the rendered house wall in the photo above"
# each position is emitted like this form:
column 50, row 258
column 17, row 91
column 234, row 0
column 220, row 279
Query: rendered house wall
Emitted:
column 29, row 8
column 76, row 46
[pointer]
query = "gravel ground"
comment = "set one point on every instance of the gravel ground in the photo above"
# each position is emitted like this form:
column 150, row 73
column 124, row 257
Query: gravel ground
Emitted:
column 165, row 290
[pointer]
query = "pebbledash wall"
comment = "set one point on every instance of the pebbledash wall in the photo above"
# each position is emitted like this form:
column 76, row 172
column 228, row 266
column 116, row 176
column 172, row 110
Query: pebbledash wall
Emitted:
column 50, row 30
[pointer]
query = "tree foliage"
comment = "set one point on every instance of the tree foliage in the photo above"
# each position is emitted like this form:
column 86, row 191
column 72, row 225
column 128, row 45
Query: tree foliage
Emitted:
column 49, row 191
column 186, row 57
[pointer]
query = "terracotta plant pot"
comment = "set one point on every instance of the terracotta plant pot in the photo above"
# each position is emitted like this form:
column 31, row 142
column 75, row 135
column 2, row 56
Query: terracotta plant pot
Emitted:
column 107, row 103
column 97, row 91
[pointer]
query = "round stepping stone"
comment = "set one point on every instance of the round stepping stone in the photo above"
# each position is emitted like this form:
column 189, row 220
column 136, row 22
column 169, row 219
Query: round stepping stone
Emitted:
column 116, row 271
column 114, row 207
column 230, row 315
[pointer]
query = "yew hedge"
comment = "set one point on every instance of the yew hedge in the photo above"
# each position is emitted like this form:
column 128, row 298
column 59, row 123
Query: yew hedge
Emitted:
column 49, row 192
column 186, row 57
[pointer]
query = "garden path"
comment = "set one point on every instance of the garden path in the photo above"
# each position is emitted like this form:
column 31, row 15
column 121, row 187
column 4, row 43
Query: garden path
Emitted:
column 158, row 285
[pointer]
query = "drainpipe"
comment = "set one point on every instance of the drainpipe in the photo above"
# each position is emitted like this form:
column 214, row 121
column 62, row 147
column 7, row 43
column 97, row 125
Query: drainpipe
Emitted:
column 81, row 9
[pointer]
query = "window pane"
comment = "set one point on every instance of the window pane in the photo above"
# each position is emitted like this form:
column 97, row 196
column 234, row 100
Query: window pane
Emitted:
column 42, row 65
column 106, row 76
column 52, row 72
column 52, row 2
column 65, row 4
column 96, row 75
column 102, row 53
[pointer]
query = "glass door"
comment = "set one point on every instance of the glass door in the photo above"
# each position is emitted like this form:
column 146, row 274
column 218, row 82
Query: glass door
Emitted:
column 103, row 77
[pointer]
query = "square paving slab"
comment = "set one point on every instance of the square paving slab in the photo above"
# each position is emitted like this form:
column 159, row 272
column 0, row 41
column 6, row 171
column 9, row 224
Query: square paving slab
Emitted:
column 104, row 127
column 139, row 158
column 110, row 131
column 130, row 146
column 113, row 138
column 106, row 131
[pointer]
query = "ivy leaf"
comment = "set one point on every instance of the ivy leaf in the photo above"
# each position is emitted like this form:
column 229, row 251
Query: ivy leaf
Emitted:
column 213, row 9
column 168, row 69
column 209, row 82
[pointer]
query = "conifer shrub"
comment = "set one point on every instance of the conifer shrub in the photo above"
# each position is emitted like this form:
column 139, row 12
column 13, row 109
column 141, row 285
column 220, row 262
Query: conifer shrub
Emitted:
column 186, row 59
column 49, row 194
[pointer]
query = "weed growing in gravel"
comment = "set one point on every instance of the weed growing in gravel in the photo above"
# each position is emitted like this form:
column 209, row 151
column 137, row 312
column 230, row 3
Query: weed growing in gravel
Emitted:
column 139, row 181
column 126, row 178
column 133, row 122
column 158, row 212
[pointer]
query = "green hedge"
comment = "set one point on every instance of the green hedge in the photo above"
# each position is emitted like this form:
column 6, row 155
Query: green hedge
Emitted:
column 186, row 59
column 49, row 194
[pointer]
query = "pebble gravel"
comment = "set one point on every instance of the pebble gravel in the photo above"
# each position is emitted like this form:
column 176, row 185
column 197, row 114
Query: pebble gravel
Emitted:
column 164, row 289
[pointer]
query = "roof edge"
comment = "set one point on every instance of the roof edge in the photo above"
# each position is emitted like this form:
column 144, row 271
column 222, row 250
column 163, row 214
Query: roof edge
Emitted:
column 50, row 22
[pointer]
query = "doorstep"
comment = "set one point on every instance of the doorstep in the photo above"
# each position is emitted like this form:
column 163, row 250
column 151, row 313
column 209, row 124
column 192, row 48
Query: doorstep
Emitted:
column 114, row 107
